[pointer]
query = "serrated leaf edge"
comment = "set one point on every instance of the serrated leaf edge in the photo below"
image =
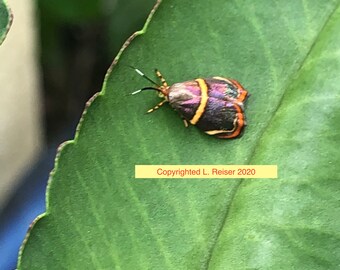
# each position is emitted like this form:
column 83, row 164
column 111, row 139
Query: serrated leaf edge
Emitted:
column 88, row 104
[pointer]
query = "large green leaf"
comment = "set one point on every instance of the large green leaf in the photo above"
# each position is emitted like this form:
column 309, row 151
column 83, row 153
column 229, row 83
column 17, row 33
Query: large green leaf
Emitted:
column 5, row 20
column 287, row 55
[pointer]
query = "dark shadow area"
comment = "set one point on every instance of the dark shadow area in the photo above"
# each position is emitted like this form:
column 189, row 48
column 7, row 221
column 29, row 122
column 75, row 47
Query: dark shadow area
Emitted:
column 78, row 40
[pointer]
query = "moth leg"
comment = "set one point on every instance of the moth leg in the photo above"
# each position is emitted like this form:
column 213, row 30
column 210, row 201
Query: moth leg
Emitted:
column 185, row 122
column 160, row 76
column 157, row 106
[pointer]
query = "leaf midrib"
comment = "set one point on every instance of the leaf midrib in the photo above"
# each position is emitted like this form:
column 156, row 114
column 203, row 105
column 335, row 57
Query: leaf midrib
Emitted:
column 286, row 88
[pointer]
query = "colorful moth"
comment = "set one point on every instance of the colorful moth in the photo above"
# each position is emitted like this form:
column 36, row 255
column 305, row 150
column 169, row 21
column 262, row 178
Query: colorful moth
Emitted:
column 214, row 105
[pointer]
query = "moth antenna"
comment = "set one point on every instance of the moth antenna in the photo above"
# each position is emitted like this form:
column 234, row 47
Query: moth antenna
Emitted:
column 144, row 76
column 145, row 88
column 136, row 92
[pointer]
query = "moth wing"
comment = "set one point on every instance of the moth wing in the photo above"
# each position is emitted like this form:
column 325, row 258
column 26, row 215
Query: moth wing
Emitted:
column 226, row 89
column 224, row 119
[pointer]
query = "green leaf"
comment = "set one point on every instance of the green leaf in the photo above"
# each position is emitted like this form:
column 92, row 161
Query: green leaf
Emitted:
column 5, row 20
column 287, row 55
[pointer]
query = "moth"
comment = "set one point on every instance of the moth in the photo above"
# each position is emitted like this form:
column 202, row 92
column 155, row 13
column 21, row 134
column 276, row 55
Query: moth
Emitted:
column 215, row 105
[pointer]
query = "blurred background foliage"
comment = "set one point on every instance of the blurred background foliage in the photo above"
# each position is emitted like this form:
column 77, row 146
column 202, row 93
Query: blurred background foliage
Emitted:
column 77, row 41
